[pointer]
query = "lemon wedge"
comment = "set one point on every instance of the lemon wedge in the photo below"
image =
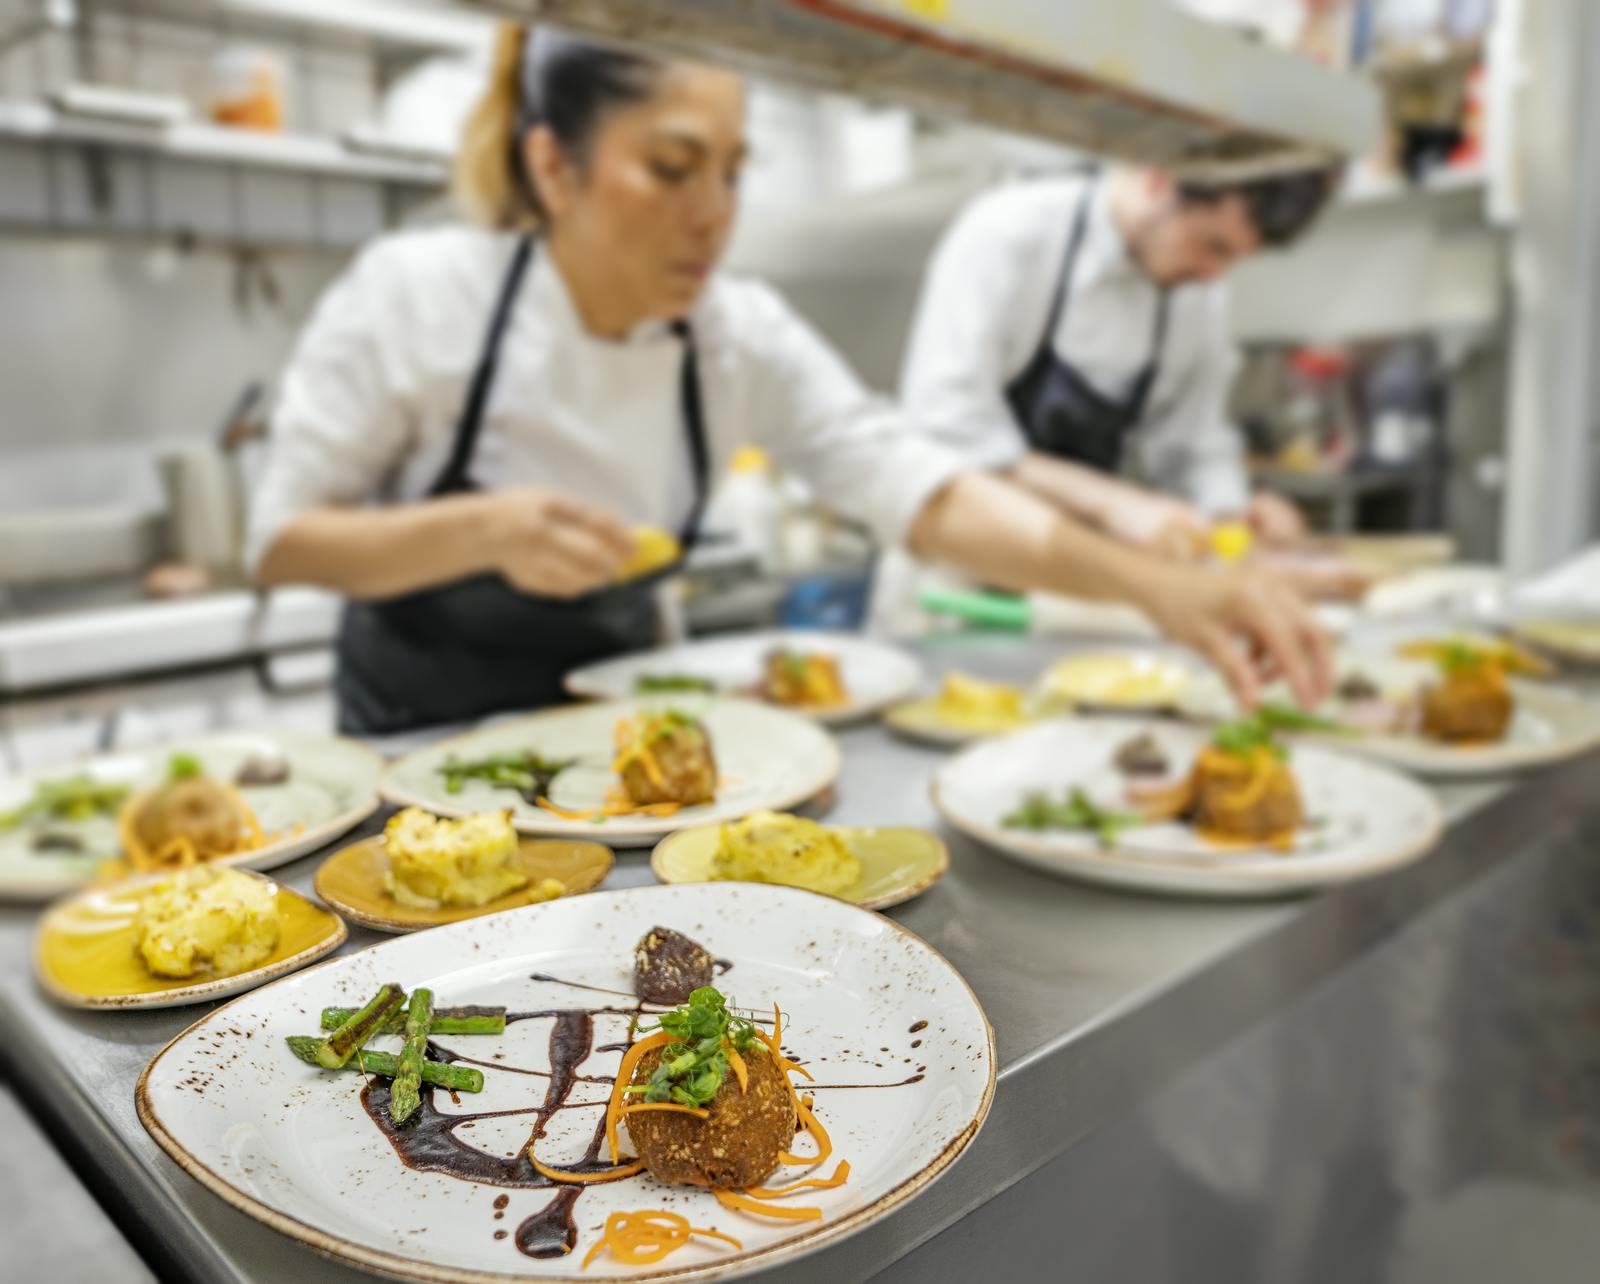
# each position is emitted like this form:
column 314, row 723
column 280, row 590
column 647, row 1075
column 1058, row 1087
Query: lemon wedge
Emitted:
column 653, row 548
column 1231, row 541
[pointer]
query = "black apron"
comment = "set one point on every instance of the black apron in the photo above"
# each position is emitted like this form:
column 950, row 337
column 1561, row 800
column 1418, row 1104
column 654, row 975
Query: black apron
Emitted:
column 459, row 652
column 1062, row 413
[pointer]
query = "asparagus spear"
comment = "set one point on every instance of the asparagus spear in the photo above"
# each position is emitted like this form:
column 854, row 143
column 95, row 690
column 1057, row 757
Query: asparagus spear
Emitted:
column 405, row 1094
column 468, row 1020
column 452, row 1078
column 335, row 1050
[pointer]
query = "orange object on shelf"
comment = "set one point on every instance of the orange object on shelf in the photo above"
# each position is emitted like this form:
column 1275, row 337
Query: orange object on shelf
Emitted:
column 248, row 90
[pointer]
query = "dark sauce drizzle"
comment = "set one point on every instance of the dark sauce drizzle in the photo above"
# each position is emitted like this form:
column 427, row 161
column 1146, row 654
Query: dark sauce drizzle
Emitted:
column 428, row 1142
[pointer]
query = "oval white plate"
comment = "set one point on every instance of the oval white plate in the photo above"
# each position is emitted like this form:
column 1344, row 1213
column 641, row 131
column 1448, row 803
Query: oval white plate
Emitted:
column 1549, row 724
column 768, row 758
column 876, row 674
column 332, row 787
column 292, row 1146
column 1366, row 819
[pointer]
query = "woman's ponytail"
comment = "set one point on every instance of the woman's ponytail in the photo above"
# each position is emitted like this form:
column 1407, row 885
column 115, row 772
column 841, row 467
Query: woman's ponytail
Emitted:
column 489, row 183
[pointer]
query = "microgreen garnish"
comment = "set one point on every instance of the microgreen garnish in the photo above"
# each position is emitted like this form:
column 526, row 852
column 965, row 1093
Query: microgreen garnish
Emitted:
column 693, row 1067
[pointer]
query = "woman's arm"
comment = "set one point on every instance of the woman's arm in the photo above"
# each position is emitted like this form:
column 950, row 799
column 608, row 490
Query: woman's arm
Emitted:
column 540, row 542
column 1249, row 625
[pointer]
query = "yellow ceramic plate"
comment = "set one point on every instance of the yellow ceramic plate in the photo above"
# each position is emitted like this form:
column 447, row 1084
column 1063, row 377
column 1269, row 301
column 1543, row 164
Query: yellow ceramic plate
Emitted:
column 351, row 881
column 86, row 953
column 928, row 720
column 896, row 864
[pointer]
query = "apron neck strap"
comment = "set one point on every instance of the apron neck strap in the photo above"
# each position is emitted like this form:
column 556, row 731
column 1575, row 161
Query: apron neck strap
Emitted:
column 454, row 477
column 1080, row 227
column 469, row 425
column 691, row 397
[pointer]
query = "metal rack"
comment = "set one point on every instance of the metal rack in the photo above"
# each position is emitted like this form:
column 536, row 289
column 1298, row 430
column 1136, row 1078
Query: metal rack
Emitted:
column 1136, row 79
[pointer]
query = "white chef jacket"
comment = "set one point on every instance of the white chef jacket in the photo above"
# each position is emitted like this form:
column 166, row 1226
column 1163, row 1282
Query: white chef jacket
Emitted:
column 985, row 304
column 371, row 398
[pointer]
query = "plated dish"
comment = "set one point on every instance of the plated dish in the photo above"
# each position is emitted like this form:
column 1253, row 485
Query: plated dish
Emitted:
column 1125, row 681
column 1572, row 641
column 870, row 867
column 163, row 940
column 966, row 708
column 423, row 871
column 833, row 677
column 1165, row 807
column 666, row 1082
column 1448, row 708
column 625, row 772
column 255, row 801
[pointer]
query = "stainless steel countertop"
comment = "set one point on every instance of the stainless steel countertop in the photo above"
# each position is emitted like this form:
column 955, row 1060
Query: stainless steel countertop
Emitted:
column 1097, row 999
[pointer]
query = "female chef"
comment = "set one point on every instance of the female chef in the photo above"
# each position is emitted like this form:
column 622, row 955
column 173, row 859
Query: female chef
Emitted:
column 477, row 415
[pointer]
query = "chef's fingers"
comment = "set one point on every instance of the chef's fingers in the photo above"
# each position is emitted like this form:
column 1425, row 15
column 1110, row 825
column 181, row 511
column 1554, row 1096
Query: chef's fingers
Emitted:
column 600, row 526
column 1299, row 646
column 1222, row 648
column 1273, row 618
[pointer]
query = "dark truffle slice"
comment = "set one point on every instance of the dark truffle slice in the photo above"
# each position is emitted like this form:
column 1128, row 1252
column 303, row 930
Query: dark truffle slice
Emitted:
column 668, row 967
column 1358, row 686
column 1142, row 756
column 263, row 770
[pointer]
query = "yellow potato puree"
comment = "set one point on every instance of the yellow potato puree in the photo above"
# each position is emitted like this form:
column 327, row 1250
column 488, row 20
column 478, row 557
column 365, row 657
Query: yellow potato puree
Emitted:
column 434, row 862
column 766, row 847
column 208, row 921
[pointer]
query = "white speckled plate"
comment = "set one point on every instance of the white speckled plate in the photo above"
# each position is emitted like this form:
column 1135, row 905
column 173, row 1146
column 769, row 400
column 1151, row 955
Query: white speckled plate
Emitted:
column 768, row 758
column 1363, row 818
column 332, row 786
column 875, row 674
column 294, row 1147
column 1549, row 724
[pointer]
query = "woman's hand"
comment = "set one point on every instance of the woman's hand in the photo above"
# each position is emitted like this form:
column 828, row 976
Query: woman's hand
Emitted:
column 1252, row 626
column 545, row 544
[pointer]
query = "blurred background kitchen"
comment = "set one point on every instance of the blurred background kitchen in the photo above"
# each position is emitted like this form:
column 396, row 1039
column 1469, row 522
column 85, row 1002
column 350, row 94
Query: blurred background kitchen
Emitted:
column 180, row 179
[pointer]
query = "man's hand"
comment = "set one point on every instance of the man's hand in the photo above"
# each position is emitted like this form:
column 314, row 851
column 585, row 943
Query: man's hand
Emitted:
column 1274, row 519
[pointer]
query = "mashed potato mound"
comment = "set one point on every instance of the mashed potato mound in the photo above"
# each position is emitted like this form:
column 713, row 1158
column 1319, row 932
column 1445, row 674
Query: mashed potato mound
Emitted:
column 211, row 921
column 766, row 847
column 435, row 862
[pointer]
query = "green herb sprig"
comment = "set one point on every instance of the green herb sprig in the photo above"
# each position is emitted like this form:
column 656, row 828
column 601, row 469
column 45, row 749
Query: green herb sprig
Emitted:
column 184, row 766
column 653, row 683
column 694, row 1066
column 1078, row 812
column 75, row 798
column 522, row 770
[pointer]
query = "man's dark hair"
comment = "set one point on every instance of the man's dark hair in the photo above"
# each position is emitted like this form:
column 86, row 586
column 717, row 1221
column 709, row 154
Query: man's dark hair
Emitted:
column 1280, row 208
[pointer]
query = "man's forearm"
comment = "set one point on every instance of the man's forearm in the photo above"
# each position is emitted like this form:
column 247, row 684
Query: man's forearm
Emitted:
column 1006, row 536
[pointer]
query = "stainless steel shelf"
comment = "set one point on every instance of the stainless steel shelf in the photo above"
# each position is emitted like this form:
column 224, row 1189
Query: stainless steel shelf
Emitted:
column 400, row 31
column 201, row 142
column 1136, row 79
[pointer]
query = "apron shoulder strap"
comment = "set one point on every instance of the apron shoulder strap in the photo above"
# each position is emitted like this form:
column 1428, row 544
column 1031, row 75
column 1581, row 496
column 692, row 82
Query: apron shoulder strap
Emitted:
column 453, row 477
column 1058, row 304
column 694, row 424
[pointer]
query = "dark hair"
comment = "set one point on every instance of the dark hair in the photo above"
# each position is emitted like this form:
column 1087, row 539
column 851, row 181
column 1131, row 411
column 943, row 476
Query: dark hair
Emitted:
column 1280, row 208
column 540, row 78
